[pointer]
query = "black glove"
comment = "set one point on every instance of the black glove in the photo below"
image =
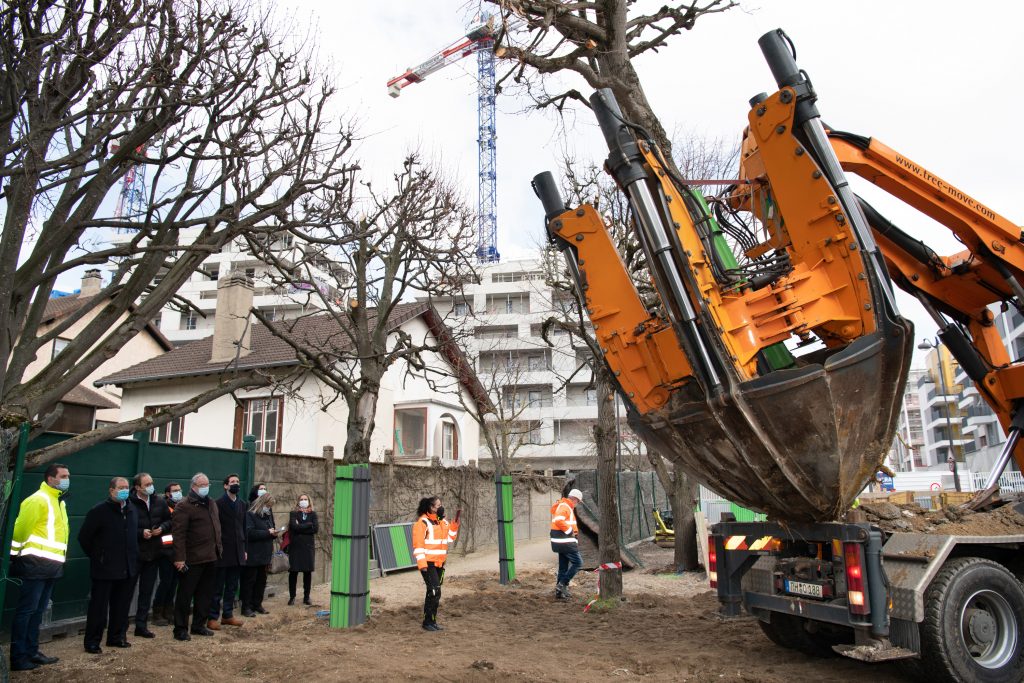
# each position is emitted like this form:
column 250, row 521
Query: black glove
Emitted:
column 440, row 513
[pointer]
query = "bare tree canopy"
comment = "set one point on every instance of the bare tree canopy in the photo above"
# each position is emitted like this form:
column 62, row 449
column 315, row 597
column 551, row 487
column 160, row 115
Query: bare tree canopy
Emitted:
column 414, row 238
column 596, row 41
column 224, row 119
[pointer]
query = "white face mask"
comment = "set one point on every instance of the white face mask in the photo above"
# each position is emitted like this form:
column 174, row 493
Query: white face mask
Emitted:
column 260, row 492
column 149, row 490
column 175, row 496
column 303, row 504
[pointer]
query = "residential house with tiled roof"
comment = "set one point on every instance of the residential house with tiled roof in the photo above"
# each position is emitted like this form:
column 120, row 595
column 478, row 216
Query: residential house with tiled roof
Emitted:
column 416, row 420
column 85, row 406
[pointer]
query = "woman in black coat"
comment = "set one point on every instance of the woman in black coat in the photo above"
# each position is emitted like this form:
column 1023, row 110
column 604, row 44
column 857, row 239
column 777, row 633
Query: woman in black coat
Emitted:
column 260, row 533
column 302, row 529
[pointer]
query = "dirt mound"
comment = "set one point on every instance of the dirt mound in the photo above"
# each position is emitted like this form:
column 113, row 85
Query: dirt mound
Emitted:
column 952, row 519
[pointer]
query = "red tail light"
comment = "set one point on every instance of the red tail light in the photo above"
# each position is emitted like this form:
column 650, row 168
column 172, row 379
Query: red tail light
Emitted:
column 856, row 591
column 712, row 562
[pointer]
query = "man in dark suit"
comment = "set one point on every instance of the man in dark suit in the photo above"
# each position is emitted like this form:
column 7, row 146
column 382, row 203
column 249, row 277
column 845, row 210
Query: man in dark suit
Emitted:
column 109, row 538
column 229, row 567
column 154, row 520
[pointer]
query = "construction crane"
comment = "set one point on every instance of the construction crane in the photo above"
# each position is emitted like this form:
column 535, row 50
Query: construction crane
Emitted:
column 478, row 40
column 132, row 199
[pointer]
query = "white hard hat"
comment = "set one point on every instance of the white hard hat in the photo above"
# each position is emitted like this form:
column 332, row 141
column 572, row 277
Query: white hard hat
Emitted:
column 576, row 493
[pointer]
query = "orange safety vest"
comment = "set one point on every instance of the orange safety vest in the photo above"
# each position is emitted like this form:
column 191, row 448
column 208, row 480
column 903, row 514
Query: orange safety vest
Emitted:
column 430, row 540
column 563, row 526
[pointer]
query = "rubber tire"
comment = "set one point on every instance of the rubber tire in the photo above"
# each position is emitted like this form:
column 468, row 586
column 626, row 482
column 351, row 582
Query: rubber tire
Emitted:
column 944, row 655
column 790, row 631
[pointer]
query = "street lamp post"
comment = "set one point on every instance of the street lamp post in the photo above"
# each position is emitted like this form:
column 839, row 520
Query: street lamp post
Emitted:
column 951, row 459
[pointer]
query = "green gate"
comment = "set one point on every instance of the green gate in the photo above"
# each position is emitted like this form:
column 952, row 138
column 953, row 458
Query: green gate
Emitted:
column 91, row 470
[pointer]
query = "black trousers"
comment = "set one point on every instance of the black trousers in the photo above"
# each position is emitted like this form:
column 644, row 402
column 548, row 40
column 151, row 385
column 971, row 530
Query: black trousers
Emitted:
column 108, row 598
column 433, row 576
column 146, row 577
column 168, row 582
column 195, row 588
column 254, row 585
column 293, row 580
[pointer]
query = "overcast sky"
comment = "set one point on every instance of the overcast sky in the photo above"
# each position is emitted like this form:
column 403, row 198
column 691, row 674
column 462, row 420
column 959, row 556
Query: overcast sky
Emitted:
column 938, row 81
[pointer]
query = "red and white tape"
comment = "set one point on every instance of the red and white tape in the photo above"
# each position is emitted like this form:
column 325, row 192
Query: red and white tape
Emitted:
column 608, row 565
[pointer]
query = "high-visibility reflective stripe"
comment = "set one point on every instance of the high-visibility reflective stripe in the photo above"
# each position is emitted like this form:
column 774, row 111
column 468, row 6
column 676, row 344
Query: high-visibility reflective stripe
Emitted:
column 555, row 519
column 167, row 539
column 16, row 544
column 56, row 557
column 436, row 552
column 56, row 545
column 760, row 543
column 563, row 540
column 736, row 543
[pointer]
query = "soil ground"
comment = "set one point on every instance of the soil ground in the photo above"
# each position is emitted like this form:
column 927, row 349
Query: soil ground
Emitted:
column 666, row 629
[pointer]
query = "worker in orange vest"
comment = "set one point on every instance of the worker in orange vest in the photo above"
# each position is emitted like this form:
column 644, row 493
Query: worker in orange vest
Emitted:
column 431, row 535
column 563, row 541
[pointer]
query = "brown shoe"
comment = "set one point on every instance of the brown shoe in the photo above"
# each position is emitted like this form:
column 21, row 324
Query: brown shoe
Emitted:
column 213, row 625
column 232, row 621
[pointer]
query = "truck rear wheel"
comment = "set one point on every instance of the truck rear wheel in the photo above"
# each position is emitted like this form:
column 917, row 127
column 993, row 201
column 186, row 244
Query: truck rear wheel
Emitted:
column 796, row 633
column 973, row 629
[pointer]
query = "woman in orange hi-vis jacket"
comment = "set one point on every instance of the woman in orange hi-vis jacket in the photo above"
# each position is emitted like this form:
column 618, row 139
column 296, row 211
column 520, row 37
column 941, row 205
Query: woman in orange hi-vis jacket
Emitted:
column 563, row 541
column 431, row 535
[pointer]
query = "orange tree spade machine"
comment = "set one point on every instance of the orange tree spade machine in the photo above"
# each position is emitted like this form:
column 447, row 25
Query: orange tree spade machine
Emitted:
column 772, row 366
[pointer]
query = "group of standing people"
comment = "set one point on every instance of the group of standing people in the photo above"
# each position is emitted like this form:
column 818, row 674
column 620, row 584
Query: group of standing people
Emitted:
column 185, row 552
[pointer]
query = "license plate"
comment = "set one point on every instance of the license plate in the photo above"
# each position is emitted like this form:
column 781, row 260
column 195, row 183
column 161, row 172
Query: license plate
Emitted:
column 810, row 589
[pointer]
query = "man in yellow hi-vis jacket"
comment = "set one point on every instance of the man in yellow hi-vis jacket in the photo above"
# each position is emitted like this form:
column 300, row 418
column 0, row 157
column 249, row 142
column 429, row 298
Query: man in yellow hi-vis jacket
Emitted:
column 39, row 547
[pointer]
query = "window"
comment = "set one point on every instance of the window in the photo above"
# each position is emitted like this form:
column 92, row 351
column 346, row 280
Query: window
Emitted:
column 590, row 397
column 449, row 442
column 461, row 308
column 157, row 320
column 213, row 274
column 263, row 418
column 537, row 362
column 58, row 346
column 190, row 320
column 250, row 273
column 170, row 432
column 534, row 398
column 411, row 432
column 270, row 315
column 498, row 304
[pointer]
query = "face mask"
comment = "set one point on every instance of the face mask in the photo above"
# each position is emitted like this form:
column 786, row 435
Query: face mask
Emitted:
column 175, row 496
column 440, row 512
column 234, row 488
column 303, row 504
column 122, row 495
column 149, row 490
column 64, row 484
column 260, row 492
column 203, row 491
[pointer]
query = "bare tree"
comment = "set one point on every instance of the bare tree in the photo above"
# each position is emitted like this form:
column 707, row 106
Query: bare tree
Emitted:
column 384, row 247
column 596, row 41
column 224, row 119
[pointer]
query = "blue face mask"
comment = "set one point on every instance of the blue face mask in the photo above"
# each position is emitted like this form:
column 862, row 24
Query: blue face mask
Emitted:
column 122, row 495
column 203, row 491
column 175, row 496
column 64, row 484
column 260, row 492
column 149, row 490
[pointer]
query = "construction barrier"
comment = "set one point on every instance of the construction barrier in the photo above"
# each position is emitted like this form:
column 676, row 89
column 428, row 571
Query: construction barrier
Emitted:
column 392, row 546
column 350, row 552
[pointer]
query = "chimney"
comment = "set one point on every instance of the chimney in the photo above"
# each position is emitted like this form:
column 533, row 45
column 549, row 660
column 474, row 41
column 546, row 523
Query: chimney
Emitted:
column 92, row 283
column 231, row 326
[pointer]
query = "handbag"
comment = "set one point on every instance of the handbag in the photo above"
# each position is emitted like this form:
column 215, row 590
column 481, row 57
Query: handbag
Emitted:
column 286, row 540
column 278, row 562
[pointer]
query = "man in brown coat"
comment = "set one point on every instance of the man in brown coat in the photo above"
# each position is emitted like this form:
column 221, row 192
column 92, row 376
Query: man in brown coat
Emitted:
column 197, row 547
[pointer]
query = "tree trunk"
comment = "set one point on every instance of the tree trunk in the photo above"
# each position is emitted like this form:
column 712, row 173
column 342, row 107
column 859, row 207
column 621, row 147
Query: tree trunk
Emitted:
column 360, row 428
column 610, row 580
column 683, row 501
column 682, row 497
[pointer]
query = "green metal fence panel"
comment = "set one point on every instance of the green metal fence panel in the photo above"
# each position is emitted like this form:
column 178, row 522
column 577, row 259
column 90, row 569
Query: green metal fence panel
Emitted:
column 392, row 546
column 91, row 471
